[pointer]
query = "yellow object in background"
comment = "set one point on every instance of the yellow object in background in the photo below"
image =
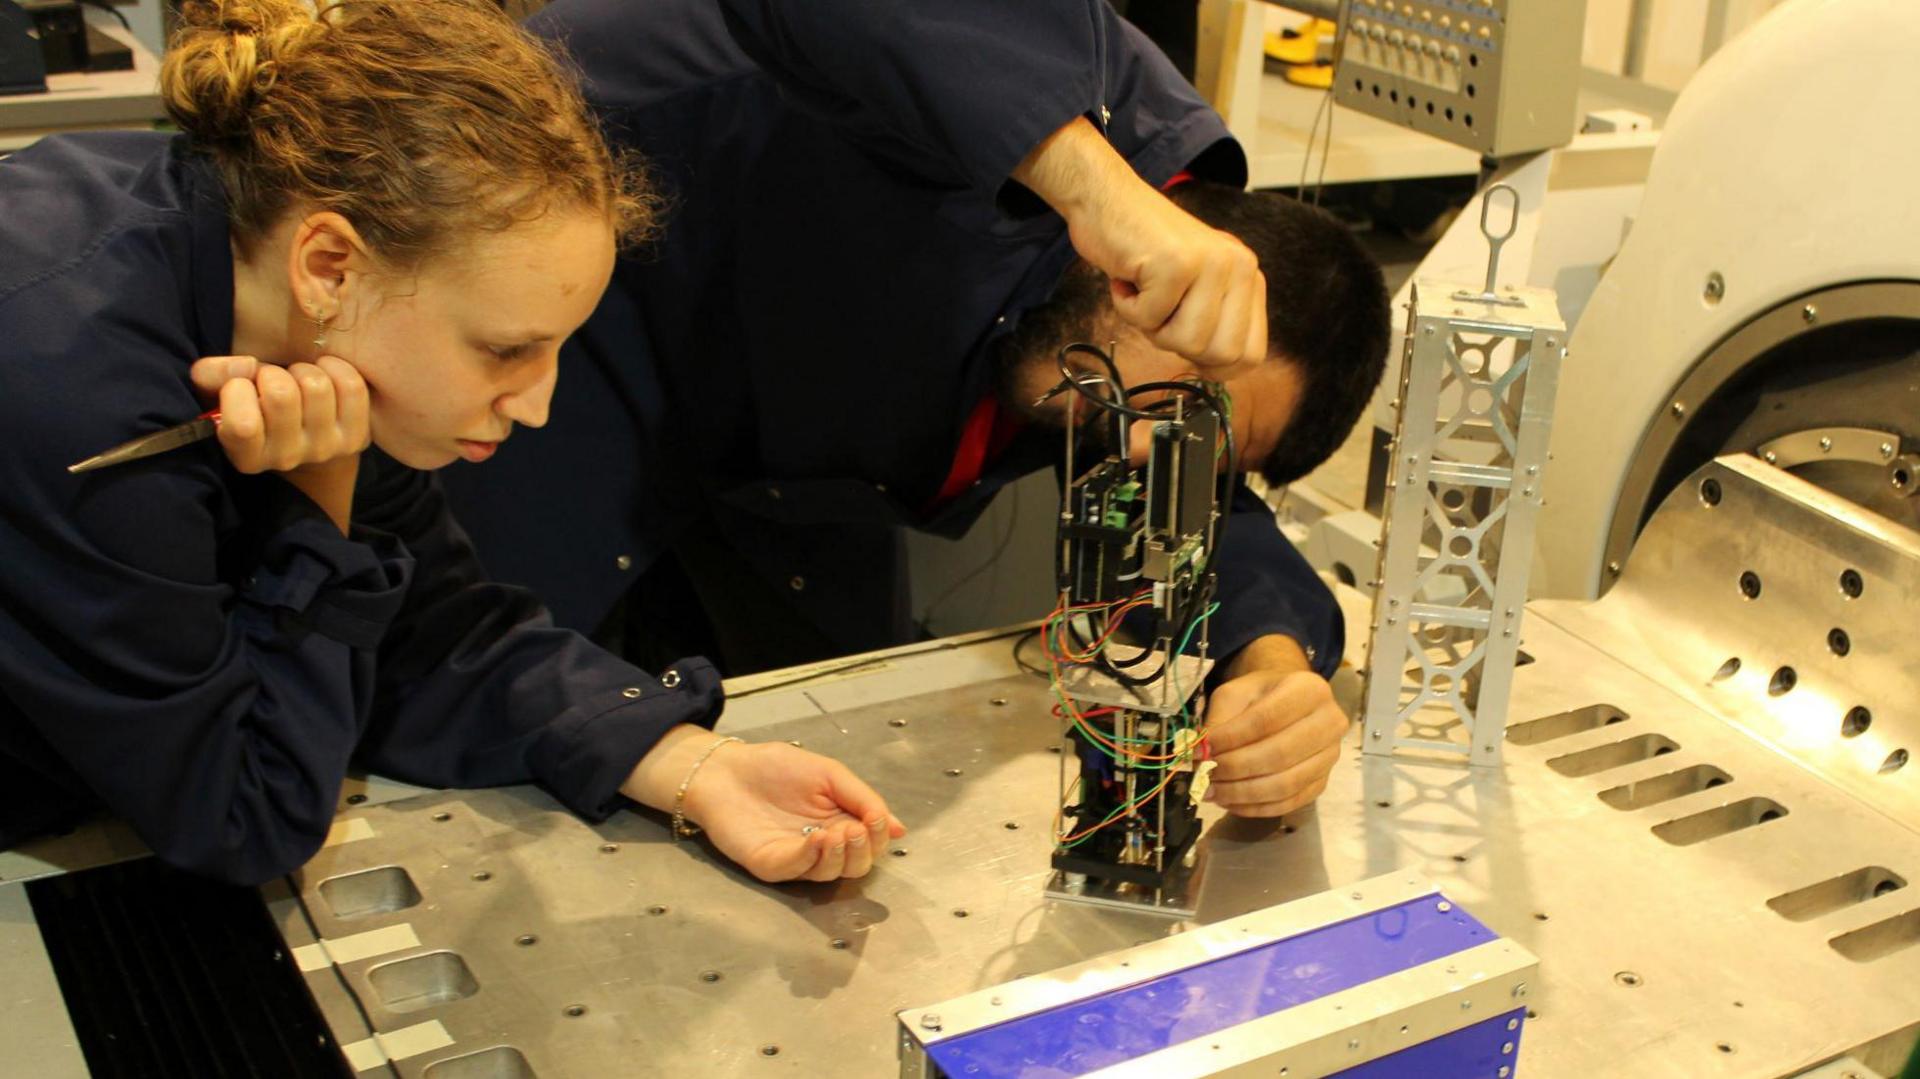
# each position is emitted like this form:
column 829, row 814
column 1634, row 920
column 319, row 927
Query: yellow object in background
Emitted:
column 1303, row 44
column 1318, row 75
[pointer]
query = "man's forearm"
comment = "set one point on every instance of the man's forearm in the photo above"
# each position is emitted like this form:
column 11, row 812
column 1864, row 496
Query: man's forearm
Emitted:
column 1075, row 170
column 1273, row 652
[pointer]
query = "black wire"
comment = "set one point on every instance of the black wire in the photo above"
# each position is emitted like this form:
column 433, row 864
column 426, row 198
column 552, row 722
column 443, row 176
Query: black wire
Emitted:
column 925, row 621
column 1021, row 642
column 102, row 5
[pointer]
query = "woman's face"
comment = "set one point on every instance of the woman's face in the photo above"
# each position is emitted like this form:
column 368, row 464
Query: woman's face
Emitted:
column 455, row 355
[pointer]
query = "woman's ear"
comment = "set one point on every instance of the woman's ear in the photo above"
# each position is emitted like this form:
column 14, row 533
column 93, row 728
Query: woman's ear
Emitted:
column 325, row 263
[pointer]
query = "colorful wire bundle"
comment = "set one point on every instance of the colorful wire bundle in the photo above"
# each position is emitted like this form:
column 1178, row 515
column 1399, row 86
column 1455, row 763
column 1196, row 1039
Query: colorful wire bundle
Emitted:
column 1062, row 653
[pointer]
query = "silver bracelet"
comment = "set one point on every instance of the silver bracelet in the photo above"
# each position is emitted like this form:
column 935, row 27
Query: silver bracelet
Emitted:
column 681, row 829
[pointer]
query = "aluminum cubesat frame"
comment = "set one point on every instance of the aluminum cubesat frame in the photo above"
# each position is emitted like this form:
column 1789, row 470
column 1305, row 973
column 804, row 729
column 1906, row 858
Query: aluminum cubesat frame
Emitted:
column 1476, row 407
column 1385, row 978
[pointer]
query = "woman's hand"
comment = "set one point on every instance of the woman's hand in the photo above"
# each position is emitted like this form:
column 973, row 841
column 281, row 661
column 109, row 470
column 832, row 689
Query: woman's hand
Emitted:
column 307, row 421
column 781, row 812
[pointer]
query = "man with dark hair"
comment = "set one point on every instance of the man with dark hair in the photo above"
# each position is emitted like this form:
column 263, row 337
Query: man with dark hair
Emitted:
column 885, row 221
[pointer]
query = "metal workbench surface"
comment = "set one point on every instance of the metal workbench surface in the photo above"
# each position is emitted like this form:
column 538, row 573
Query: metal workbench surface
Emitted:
column 573, row 950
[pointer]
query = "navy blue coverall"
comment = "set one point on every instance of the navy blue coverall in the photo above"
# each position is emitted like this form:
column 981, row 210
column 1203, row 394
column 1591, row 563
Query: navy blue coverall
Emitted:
column 202, row 652
column 796, row 354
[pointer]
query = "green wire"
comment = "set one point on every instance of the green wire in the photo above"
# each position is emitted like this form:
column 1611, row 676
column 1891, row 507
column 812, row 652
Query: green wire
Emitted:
column 1183, row 758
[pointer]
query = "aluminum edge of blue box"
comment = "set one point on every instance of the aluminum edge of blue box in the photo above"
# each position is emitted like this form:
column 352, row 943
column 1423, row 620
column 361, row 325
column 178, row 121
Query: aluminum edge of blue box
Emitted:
column 1211, row 985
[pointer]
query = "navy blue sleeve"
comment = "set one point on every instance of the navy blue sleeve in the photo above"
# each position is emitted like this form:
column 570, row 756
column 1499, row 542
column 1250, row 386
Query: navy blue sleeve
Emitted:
column 1266, row 587
column 194, row 648
column 477, row 687
column 968, row 88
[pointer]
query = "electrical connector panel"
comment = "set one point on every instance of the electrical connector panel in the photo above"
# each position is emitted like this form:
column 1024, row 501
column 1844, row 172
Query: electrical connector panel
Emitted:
column 1497, row 76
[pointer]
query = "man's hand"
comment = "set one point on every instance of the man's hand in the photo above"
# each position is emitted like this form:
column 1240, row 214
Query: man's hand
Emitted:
column 1274, row 732
column 780, row 812
column 1190, row 288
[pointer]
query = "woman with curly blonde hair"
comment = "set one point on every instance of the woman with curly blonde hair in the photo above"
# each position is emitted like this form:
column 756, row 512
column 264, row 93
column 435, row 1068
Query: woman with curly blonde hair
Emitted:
column 379, row 221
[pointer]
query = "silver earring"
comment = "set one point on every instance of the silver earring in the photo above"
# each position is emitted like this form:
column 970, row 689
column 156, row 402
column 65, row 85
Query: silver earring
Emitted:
column 319, row 327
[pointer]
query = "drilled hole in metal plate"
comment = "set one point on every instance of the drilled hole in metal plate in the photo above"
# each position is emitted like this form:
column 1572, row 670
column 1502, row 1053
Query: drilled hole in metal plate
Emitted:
column 1628, row 978
column 1724, row 1047
column 1750, row 584
column 1894, row 762
column 656, row 910
column 1710, row 492
column 1881, row 939
column 499, row 1062
column 769, row 1050
column 1728, row 669
column 369, row 892
column 1852, row 584
column 959, row 912
column 1838, row 642
column 1546, row 729
column 1587, row 762
column 1783, row 681
column 422, row 981
column 898, row 852
column 1719, row 821
column 526, row 940
column 1836, row 893
column 710, row 976
column 1460, row 546
column 574, row 1011
column 1856, row 723
column 1664, row 788
column 1539, row 917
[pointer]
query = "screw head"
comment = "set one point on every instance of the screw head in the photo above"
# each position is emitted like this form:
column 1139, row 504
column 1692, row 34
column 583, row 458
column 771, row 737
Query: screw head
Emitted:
column 1810, row 313
column 1826, row 444
column 1678, row 409
column 574, row 1011
column 1520, row 991
column 896, row 722
column 710, row 976
column 481, row 874
column 526, row 940
column 356, row 799
column 930, row 1021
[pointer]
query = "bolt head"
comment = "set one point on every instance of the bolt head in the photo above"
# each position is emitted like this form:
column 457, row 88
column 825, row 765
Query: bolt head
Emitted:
column 1810, row 313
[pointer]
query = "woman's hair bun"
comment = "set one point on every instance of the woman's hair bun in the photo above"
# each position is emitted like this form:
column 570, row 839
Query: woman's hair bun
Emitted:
column 223, row 55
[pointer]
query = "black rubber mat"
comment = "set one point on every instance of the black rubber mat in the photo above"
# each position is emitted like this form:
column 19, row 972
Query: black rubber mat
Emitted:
column 167, row 974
